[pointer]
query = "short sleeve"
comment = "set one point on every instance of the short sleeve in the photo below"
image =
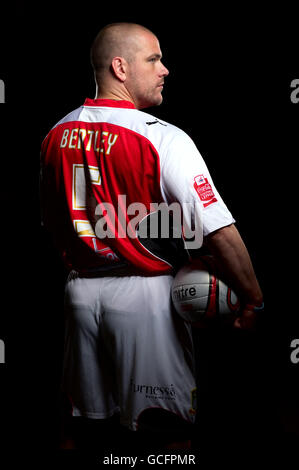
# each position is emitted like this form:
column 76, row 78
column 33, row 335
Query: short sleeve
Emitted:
column 186, row 179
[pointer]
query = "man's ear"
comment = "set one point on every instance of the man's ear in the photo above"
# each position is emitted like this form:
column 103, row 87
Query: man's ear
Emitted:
column 119, row 68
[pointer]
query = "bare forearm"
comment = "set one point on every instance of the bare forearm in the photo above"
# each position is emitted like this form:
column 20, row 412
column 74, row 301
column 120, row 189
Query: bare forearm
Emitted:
column 234, row 261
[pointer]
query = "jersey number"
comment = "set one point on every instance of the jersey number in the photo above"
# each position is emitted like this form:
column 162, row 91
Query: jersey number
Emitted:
column 83, row 227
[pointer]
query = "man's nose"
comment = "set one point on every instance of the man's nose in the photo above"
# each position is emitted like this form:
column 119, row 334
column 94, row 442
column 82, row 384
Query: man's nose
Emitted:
column 164, row 71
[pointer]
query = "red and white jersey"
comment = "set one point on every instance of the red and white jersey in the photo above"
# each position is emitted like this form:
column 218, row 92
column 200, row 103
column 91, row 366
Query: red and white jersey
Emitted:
column 104, row 161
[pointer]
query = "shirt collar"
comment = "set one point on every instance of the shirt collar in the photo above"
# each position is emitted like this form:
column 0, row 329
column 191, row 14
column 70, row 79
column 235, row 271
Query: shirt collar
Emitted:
column 109, row 103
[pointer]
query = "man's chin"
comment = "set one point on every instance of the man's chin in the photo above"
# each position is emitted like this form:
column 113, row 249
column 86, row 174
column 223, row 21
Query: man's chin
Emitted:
column 159, row 100
column 151, row 103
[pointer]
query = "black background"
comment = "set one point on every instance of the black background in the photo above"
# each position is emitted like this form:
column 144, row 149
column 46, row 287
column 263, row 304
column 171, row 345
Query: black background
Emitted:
column 229, row 89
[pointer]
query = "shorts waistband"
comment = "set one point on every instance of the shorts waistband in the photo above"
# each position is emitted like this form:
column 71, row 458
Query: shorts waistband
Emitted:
column 113, row 272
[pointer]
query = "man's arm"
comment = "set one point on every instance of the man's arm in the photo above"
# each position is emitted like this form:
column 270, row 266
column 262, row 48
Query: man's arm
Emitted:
column 232, row 258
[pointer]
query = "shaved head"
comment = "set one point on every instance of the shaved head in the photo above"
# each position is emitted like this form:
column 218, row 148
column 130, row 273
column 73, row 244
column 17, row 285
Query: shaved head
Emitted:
column 126, row 59
column 116, row 39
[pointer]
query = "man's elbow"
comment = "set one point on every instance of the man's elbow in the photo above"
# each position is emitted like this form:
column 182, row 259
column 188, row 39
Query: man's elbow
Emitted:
column 223, row 233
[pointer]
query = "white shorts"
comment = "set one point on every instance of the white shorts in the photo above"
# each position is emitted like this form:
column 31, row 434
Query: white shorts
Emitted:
column 126, row 350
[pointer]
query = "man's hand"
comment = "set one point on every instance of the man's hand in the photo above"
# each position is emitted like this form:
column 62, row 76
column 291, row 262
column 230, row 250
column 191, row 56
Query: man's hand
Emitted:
column 232, row 257
column 246, row 321
column 248, row 317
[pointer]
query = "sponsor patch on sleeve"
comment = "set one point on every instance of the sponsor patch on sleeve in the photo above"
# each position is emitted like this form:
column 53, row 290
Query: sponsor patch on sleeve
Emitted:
column 204, row 190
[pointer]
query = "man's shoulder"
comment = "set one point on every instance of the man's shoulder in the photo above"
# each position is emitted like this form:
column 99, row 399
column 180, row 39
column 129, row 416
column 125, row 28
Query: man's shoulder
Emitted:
column 156, row 129
column 69, row 117
column 155, row 122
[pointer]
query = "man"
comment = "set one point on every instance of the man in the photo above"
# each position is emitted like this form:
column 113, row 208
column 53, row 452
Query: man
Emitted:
column 126, row 353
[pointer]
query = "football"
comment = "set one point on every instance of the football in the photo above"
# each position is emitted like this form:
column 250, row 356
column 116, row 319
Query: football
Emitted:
column 198, row 292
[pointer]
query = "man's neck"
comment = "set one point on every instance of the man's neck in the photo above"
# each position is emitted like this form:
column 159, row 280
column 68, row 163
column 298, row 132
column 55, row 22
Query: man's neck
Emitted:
column 114, row 95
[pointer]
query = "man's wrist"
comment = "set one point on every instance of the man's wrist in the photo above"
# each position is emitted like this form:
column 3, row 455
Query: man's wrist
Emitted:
column 254, row 307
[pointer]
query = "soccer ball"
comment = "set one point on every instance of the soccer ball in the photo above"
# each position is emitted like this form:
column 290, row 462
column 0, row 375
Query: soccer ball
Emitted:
column 198, row 292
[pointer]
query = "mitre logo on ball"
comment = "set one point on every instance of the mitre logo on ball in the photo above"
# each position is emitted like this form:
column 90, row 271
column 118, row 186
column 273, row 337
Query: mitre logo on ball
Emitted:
column 184, row 292
column 199, row 292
